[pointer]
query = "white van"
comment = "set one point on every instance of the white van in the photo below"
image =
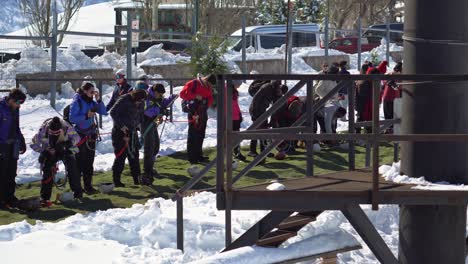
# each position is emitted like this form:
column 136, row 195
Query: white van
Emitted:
column 273, row 36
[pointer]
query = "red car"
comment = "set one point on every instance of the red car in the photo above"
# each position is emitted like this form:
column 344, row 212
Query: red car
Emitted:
column 350, row 45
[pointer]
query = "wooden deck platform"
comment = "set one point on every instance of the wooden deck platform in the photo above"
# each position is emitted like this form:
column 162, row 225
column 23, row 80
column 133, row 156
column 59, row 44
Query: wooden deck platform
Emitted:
column 334, row 192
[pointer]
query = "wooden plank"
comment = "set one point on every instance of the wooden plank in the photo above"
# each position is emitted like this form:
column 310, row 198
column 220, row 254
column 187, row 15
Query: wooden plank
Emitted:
column 326, row 255
column 344, row 186
column 275, row 238
column 295, row 184
column 364, row 227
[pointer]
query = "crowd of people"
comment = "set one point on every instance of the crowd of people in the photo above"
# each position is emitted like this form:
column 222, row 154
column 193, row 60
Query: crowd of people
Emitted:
column 136, row 113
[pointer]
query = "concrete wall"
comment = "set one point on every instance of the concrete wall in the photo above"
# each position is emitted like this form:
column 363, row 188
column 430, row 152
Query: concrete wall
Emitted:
column 266, row 66
column 43, row 87
column 170, row 71
column 276, row 66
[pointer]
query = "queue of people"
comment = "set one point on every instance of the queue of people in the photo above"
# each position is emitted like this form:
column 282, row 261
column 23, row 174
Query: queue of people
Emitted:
column 136, row 113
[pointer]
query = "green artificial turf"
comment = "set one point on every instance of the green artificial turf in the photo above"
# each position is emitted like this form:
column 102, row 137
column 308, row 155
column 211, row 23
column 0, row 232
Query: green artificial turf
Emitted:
column 174, row 171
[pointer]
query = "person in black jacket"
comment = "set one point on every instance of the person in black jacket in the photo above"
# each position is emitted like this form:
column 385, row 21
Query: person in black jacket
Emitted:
column 127, row 115
column 11, row 145
column 121, row 88
column 261, row 101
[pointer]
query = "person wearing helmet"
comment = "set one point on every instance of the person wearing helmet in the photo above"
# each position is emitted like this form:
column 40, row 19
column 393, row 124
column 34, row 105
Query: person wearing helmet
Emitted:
column 121, row 87
column 126, row 116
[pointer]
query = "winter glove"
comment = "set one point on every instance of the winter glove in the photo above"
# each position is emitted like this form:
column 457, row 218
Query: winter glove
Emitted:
column 22, row 146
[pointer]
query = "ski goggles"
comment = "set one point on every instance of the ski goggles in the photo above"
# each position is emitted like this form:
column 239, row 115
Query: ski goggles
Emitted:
column 54, row 132
column 19, row 102
column 119, row 76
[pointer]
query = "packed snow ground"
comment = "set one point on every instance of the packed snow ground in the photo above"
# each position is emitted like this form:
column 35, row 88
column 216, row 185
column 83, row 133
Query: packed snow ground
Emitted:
column 147, row 233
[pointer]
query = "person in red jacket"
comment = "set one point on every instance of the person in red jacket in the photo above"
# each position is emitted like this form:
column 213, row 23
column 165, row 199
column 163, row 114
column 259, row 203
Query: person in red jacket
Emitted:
column 197, row 96
column 391, row 91
column 236, row 116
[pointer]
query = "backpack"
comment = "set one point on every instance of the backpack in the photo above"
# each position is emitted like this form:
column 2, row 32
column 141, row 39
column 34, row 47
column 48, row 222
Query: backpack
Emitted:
column 188, row 106
column 66, row 112
column 255, row 86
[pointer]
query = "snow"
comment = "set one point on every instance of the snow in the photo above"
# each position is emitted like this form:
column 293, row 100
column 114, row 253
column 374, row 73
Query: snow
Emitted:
column 97, row 18
column 146, row 233
column 260, row 255
column 392, row 173
column 276, row 186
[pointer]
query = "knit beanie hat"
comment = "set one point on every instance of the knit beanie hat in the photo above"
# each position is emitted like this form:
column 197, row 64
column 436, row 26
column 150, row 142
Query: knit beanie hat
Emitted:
column 159, row 88
column 141, row 85
column 138, row 95
column 55, row 125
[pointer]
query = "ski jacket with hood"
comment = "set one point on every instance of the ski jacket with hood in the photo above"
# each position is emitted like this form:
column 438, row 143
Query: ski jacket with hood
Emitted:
column 10, row 131
column 68, row 137
column 79, row 109
column 154, row 106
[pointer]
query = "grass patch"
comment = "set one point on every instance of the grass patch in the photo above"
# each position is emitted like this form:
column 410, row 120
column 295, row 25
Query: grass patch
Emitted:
column 174, row 171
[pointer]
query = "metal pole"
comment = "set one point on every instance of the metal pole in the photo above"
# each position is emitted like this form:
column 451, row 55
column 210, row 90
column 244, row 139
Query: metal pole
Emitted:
column 288, row 30
column 53, row 56
column 136, row 54
column 244, row 44
column 327, row 31
column 171, row 90
column 197, row 15
column 129, row 45
column 359, row 39
column 290, row 36
column 100, row 93
column 311, row 121
column 228, row 152
column 180, row 222
column 434, row 234
column 387, row 48
column 118, row 17
column 395, row 152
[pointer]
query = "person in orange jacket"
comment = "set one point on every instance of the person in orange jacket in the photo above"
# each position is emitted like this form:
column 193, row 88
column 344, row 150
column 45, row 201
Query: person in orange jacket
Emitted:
column 197, row 96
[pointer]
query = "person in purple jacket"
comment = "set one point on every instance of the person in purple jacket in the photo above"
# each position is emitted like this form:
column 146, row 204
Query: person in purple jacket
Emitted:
column 155, row 108
column 83, row 115
column 11, row 145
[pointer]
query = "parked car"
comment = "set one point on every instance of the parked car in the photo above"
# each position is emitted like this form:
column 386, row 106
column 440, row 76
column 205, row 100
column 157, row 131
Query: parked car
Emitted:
column 273, row 36
column 350, row 45
column 374, row 36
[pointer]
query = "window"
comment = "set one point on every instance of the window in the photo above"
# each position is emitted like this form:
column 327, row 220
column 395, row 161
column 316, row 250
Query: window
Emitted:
column 347, row 42
column 304, row 39
column 334, row 44
column 272, row 41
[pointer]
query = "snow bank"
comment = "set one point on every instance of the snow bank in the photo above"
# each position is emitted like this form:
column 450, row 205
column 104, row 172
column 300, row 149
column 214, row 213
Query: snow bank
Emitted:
column 392, row 173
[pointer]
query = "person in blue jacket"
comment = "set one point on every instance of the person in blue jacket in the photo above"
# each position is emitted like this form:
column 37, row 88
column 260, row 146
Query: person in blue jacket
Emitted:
column 83, row 115
column 11, row 145
column 121, row 88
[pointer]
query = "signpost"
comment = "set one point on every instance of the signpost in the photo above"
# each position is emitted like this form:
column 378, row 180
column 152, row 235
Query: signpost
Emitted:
column 135, row 36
